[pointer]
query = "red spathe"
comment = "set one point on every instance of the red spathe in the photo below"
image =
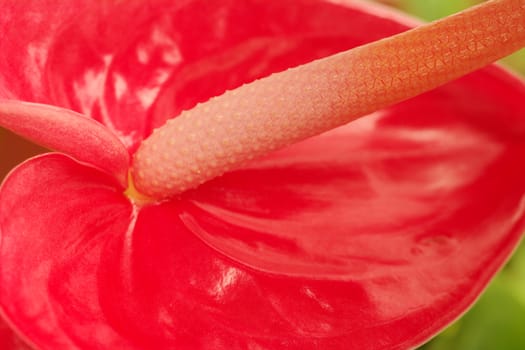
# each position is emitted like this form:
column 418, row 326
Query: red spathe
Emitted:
column 375, row 235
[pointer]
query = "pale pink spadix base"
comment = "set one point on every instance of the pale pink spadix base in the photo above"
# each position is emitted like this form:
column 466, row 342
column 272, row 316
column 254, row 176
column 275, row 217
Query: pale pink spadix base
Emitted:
column 287, row 107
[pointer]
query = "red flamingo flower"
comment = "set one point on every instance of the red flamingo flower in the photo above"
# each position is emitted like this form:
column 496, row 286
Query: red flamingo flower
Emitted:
column 170, row 218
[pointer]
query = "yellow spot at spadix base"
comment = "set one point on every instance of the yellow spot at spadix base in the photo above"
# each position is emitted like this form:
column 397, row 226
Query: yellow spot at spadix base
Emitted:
column 134, row 195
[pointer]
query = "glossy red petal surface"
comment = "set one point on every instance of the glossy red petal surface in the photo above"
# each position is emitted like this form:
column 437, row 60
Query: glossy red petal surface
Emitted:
column 419, row 213
column 63, row 130
column 374, row 236
column 56, row 216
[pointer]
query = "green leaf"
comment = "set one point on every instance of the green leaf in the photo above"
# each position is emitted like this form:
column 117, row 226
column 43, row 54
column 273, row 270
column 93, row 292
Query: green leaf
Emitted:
column 434, row 9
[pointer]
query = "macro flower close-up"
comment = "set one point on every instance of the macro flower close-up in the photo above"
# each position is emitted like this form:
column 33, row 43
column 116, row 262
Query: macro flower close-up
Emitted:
column 254, row 174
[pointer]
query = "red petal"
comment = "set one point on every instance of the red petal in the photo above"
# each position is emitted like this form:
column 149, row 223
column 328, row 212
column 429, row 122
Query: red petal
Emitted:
column 164, row 288
column 68, row 132
column 55, row 218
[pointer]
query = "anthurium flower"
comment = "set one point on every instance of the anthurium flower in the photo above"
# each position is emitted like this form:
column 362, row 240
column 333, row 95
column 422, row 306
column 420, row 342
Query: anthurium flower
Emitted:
column 373, row 235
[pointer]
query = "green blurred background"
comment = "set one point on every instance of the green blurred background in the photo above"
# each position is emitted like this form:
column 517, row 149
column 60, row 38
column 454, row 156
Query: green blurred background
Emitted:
column 497, row 320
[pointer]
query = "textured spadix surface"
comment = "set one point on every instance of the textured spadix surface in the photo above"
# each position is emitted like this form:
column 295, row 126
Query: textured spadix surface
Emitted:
column 372, row 236
column 291, row 106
